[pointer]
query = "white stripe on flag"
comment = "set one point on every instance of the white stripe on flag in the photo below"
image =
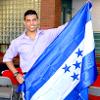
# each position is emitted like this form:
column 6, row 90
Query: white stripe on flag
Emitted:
column 89, row 39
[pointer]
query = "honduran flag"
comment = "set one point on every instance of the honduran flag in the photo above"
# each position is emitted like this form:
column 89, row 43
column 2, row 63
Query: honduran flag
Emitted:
column 67, row 67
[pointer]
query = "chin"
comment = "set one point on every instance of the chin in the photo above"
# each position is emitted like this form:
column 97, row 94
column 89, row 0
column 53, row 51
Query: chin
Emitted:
column 32, row 30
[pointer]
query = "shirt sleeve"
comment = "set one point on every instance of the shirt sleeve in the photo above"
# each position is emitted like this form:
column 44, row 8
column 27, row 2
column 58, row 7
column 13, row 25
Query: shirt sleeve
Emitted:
column 11, row 52
column 54, row 32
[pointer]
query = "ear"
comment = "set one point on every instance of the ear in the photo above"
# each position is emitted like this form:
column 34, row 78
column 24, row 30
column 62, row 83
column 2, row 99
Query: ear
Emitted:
column 38, row 22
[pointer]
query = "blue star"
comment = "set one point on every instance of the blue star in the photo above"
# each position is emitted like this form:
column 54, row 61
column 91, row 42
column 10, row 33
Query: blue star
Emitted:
column 77, row 65
column 75, row 76
column 66, row 68
column 79, row 53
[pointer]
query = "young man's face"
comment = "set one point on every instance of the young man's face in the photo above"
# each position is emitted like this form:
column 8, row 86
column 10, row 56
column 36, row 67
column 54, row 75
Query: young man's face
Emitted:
column 31, row 23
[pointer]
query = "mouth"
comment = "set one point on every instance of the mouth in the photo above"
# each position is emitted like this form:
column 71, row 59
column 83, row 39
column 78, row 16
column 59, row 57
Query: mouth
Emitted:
column 33, row 26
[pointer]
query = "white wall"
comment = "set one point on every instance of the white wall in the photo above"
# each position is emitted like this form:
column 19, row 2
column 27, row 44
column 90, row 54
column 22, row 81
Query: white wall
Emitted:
column 77, row 4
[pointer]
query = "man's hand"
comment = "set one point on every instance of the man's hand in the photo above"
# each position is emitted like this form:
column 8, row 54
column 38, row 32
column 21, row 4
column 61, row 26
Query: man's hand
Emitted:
column 20, row 78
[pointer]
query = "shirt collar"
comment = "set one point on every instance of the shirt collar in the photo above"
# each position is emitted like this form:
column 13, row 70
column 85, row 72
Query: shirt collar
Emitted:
column 37, row 34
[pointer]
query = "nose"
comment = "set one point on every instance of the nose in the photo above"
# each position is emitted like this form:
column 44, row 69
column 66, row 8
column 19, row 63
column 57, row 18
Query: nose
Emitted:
column 31, row 22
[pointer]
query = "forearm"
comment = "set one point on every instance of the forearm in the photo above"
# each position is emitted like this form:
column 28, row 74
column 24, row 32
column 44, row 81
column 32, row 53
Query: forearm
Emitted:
column 11, row 66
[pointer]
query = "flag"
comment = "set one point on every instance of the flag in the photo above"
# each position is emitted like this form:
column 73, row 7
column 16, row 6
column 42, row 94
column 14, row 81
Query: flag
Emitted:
column 67, row 67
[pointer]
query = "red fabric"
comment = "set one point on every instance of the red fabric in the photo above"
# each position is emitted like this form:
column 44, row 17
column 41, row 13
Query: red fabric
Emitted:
column 8, row 73
column 91, row 97
column 98, row 64
column 97, row 82
column 1, row 53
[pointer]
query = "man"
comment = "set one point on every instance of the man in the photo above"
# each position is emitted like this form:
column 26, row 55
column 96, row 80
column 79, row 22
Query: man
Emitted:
column 30, row 45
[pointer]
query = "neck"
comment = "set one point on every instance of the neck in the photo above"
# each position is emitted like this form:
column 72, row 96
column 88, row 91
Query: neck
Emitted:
column 31, row 34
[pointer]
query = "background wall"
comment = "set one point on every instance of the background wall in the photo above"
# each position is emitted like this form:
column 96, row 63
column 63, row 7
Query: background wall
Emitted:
column 50, row 13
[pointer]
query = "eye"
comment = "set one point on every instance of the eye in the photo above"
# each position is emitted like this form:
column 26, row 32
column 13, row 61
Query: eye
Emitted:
column 34, row 19
column 28, row 20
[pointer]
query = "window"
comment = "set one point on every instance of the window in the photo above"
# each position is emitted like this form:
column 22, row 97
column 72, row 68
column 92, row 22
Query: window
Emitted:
column 66, row 10
column 11, row 19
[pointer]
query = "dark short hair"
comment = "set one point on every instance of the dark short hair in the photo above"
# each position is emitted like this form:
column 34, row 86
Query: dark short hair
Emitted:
column 30, row 12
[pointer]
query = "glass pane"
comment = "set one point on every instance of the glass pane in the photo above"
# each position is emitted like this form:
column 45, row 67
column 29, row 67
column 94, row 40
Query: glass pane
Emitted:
column 11, row 18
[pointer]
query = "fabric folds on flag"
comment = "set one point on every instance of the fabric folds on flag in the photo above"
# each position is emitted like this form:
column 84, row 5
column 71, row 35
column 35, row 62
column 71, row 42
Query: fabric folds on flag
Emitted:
column 67, row 67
